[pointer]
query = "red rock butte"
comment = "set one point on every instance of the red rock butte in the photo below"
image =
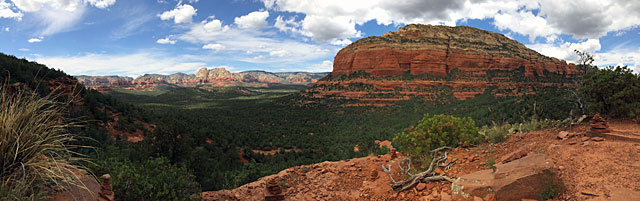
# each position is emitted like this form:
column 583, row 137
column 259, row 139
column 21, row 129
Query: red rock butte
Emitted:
column 437, row 49
column 429, row 61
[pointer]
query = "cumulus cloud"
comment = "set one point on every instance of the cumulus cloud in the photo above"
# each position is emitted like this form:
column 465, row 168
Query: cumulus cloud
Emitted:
column 183, row 13
column 166, row 40
column 565, row 51
column 7, row 29
column 257, row 19
column 35, row 40
column 212, row 46
column 325, row 66
column 533, row 18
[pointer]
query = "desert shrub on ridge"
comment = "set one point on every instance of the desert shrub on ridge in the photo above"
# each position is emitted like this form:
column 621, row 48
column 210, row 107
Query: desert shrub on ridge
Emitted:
column 436, row 131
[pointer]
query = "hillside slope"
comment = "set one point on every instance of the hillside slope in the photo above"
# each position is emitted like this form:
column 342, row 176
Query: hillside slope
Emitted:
column 609, row 169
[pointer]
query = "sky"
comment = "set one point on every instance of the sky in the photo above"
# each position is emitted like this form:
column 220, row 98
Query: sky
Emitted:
column 134, row 37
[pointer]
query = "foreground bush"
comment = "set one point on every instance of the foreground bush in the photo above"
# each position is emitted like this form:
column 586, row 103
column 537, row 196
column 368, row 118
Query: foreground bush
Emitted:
column 34, row 146
column 153, row 179
column 612, row 91
column 436, row 131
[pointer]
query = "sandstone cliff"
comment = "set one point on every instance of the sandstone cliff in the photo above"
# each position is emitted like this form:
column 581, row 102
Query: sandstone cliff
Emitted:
column 427, row 61
column 204, row 76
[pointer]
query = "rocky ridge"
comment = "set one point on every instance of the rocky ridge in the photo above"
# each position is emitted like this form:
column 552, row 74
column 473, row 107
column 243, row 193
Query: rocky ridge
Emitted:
column 424, row 60
column 204, row 76
column 545, row 166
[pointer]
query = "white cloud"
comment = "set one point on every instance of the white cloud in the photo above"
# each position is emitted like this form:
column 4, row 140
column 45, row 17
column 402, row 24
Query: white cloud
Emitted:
column 279, row 53
column 213, row 46
column 623, row 56
column 35, row 40
column 23, row 49
column 183, row 13
column 565, row 51
column 255, row 19
column 166, row 40
column 7, row 29
column 340, row 42
column 6, row 12
column 214, row 25
column 102, row 4
column 325, row 66
column 329, row 20
column 287, row 25
column 526, row 23
column 123, row 64
column 55, row 16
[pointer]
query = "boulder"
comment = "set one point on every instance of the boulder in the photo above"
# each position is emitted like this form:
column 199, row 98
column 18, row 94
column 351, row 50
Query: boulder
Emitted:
column 520, row 179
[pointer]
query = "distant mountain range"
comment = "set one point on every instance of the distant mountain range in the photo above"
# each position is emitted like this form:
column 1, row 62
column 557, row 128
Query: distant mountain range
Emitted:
column 204, row 76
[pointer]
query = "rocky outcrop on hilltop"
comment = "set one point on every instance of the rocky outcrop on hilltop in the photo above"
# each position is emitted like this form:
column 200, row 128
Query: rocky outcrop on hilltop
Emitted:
column 437, row 49
column 426, row 61
column 204, row 76
column 104, row 80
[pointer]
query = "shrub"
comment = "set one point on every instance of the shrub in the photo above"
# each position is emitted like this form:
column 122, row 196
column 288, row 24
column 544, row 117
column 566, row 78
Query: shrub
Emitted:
column 612, row 91
column 495, row 133
column 34, row 146
column 436, row 131
column 153, row 179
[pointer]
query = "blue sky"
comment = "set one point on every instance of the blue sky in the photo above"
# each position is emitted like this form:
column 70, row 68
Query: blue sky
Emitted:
column 133, row 37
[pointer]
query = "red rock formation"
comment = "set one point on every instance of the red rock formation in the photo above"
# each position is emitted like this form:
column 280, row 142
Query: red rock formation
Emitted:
column 436, row 49
column 434, row 61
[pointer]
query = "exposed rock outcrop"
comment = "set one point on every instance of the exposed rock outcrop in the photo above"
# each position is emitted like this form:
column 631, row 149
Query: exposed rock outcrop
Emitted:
column 519, row 179
column 204, row 76
column 437, row 49
column 432, row 62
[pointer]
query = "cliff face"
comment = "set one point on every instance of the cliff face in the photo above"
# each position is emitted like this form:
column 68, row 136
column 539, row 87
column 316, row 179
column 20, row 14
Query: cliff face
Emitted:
column 204, row 76
column 435, row 61
column 437, row 49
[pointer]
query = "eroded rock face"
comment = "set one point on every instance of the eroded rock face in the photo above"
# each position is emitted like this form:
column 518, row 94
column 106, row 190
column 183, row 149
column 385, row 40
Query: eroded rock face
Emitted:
column 432, row 62
column 436, row 49
column 520, row 179
column 204, row 76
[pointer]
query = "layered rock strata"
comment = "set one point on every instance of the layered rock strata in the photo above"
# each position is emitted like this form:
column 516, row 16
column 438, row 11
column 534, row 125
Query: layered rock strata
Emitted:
column 425, row 61
column 204, row 76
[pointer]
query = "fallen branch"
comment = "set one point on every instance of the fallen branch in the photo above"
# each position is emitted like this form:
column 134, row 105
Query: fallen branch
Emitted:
column 438, row 155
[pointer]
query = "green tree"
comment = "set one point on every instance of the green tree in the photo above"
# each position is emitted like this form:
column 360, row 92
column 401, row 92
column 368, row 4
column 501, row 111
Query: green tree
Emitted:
column 612, row 91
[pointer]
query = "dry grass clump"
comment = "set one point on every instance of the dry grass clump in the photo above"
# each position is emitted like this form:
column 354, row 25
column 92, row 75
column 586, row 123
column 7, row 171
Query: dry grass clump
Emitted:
column 35, row 155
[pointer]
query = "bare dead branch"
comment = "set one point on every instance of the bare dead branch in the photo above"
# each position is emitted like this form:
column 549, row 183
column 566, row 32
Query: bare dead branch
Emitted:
column 438, row 155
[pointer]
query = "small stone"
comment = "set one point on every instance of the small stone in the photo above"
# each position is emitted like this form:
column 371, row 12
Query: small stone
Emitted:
column 476, row 198
column 572, row 143
column 563, row 135
column 597, row 139
column 584, row 139
column 421, row 186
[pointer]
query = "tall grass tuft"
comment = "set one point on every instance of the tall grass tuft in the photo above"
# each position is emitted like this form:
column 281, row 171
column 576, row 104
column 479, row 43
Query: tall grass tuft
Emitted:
column 35, row 155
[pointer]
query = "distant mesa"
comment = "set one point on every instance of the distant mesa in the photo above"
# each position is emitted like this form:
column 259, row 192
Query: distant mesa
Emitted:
column 432, row 62
column 204, row 76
